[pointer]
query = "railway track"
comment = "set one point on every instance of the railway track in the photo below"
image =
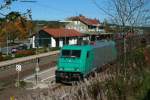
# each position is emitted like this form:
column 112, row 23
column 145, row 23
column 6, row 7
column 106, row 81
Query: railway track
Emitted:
column 28, row 65
column 25, row 72
column 8, row 74
column 32, row 90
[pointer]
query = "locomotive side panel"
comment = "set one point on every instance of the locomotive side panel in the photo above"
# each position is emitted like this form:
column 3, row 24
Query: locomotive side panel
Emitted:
column 98, row 57
column 104, row 54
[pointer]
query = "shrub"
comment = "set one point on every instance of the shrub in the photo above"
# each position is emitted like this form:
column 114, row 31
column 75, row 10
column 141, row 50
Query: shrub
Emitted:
column 147, row 55
column 24, row 52
column 54, row 48
column 5, row 57
column 22, row 84
column 41, row 50
column 8, row 57
column 1, row 57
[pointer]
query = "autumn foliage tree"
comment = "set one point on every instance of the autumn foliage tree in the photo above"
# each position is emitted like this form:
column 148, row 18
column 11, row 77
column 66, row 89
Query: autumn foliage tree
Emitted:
column 15, row 26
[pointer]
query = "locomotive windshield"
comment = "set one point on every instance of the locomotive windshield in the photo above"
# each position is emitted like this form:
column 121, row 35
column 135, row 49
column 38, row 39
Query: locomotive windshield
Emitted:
column 71, row 53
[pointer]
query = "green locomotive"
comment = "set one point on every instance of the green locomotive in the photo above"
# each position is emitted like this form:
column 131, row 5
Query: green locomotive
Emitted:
column 77, row 61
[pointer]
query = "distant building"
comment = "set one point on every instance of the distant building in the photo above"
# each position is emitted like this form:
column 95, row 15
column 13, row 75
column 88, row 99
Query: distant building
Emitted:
column 90, row 27
column 84, row 24
column 49, row 37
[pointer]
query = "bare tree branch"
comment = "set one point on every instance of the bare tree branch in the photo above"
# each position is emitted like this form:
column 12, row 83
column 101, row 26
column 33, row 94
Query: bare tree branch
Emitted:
column 125, row 12
column 99, row 7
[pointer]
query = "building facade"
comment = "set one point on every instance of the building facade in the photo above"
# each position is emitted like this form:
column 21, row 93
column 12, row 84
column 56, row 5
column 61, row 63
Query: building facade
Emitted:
column 56, row 37
column 84, row 24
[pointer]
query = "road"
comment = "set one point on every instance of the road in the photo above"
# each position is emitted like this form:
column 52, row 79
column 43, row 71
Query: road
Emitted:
column 4, row 50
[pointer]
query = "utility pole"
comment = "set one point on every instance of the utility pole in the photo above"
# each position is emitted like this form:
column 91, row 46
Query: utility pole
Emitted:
column 7, row 37
column 65, row 36
column 7, row 44
column 18, row 69
column 37, row 69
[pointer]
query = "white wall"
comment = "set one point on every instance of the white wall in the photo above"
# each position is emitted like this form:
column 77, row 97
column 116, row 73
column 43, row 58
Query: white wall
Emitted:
column 53, row 42
column 86, row 38
column 72, row 41
column 75, row 41
column 77, row 25
column 60, row 43
column 32, row 41
column 33, row 46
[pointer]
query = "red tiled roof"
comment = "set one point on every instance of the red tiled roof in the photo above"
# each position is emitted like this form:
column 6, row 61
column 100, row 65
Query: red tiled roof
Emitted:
column 62, row 32
column 88, row 21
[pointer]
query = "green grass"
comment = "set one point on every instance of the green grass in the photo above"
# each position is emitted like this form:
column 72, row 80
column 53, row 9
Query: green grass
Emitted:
column 44, row 50
column 20, row 55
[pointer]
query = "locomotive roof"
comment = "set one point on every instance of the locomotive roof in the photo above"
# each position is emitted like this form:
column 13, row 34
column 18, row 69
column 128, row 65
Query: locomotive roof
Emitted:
column 77, row 47
column 103, row 43
column 97, row 44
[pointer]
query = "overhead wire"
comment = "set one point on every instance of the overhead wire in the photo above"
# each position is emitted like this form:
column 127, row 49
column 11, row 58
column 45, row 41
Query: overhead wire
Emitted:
column 54, row 8
column 100, row 8
column 58, row 10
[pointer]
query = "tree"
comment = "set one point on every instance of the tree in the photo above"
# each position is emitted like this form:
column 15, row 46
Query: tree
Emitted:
column 131, row 13
column 15, row 26
column 12, row 16
column 106, row 27
column 125, row 12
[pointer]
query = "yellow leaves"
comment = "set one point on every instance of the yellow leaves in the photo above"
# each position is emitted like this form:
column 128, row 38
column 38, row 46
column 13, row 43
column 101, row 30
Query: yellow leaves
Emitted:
column 18, row 28
column 10, row 27
column 14, row 26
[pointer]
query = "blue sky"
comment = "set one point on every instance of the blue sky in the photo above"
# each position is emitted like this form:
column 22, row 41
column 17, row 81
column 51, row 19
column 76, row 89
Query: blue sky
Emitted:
column 61, row 9
column 58, row 9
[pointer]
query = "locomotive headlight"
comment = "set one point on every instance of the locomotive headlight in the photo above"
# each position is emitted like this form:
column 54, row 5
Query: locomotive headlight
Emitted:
column 61, row 68
column 76, row 69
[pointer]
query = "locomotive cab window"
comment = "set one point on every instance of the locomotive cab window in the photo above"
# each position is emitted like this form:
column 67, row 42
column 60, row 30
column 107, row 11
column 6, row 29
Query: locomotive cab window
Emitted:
column 71, row 53
column 65, row 53
column 76, row 53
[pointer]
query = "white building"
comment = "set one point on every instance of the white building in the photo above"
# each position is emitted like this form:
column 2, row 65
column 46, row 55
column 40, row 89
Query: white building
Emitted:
column 84, row 24
column 49, row 37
